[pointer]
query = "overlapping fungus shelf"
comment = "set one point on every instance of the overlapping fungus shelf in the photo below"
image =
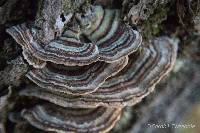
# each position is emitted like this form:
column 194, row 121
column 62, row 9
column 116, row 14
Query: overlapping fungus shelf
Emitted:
column 115, row 41
column 113, row 38
column 85, row 76
column 144, row 70
column 50, row 117
column 75, row 80
column 67, row 49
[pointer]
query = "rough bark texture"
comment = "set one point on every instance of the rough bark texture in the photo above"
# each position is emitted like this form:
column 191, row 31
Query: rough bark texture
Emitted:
column 173, row 102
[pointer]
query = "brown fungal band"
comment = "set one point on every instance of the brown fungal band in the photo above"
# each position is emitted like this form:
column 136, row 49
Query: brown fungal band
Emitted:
column 50, row 117
column 37, row 63
column 128, row 87
column 75, row 80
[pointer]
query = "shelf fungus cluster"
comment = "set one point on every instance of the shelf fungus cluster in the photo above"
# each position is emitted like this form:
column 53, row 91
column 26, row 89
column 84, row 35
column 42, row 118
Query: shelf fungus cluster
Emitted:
column 90, row 72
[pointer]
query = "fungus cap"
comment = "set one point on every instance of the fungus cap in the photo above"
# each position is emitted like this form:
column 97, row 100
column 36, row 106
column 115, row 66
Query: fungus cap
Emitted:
column 75, row 80
column 50, row 117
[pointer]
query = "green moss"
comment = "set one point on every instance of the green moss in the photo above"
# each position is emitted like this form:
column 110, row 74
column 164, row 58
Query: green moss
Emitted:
column 70, row 5
column 67, row 5
column 153, row 26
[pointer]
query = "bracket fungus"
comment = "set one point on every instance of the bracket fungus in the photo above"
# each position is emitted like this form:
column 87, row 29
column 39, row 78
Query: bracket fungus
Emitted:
column 54, row 118
column 117, row 40
column 90, row 71
column 66, row 50
column 75, row 80
column 144, row 70
column 113, row 38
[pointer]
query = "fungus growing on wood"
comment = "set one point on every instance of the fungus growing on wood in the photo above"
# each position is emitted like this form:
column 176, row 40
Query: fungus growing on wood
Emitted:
column 50, row 117
column 67, row 49
column 76, row 79
column 91, row 67
column 110, row 40
column 144, row 70
column 113, row 38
